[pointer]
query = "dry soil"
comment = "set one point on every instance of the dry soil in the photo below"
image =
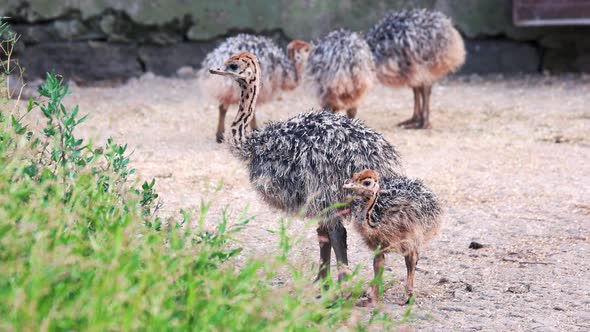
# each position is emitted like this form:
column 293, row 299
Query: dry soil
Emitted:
column 510, row 158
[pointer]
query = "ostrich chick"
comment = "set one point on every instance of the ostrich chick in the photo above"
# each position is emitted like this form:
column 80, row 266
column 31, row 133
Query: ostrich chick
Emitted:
column 393, row 214
column 279, row 71
column 340, row 69
column 299, row 165
column 416, row 48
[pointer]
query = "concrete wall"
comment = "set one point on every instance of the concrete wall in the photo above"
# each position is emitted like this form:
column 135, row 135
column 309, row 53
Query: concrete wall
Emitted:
column 114, row 39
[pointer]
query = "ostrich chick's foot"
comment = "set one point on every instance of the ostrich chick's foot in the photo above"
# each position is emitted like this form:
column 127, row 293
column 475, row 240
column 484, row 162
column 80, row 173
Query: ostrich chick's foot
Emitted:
column 368, row 299
column 407, row 300
column 408, row 122
column 219, row 137
column 417, row 125
column 366, row 302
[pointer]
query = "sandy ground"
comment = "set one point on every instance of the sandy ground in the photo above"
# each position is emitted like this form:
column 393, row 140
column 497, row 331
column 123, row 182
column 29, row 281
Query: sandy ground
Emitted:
column 510, row 157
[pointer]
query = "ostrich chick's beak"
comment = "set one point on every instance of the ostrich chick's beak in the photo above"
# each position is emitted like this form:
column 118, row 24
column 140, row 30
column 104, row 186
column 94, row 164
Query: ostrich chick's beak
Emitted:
column 219, row 71
column 348, row 185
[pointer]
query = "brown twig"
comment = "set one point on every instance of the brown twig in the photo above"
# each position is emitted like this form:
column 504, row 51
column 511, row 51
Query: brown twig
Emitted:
column 508, row 259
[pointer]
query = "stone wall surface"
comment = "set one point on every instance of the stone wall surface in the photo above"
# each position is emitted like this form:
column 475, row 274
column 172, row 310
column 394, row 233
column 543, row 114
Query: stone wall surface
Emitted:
column 112, row 39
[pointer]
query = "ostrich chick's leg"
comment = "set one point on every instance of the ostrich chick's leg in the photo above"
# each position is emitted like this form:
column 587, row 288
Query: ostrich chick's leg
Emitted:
column 351, row 112
column 417, row 116
column 411, row 262
column 325, row 252
column 328, row 107
column 378, row 265
column 338, row 241
column 221, row 123
column 426, row 108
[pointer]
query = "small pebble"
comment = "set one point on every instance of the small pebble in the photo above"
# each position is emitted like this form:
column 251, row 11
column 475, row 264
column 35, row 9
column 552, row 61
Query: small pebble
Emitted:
column 520, row 289
column 457, row 309
column 185, row 72
column 475, row 245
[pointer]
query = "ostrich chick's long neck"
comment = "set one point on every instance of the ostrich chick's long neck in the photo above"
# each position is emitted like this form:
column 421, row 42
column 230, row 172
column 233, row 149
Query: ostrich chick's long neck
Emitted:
column 291, row 80
column 249, row 94
column 367, row 207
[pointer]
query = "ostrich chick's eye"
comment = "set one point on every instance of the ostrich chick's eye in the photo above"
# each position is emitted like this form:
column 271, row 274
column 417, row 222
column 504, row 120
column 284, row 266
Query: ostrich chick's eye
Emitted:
column 366, row 183
column 233, row 66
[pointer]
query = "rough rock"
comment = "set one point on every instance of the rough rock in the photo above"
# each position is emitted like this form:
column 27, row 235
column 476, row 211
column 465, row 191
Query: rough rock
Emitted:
column 82, row 62
column 500, row 56
column 166, row 60
column 120, row 28
column 60, row 30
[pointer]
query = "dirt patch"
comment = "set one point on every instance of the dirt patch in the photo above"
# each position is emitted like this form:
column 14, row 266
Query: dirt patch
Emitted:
column 510, row 157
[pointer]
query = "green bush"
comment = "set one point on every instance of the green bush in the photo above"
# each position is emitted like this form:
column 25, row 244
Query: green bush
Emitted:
column 82, row 248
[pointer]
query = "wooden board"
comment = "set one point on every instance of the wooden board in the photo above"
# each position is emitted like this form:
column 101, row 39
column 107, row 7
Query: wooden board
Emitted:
column 550, row 12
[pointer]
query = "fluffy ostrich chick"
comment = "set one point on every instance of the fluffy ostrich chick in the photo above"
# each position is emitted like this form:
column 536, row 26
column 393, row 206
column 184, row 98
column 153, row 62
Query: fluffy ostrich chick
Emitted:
column 393, row 214
column 279, row 71
column 415, row 48
column 341, row 71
